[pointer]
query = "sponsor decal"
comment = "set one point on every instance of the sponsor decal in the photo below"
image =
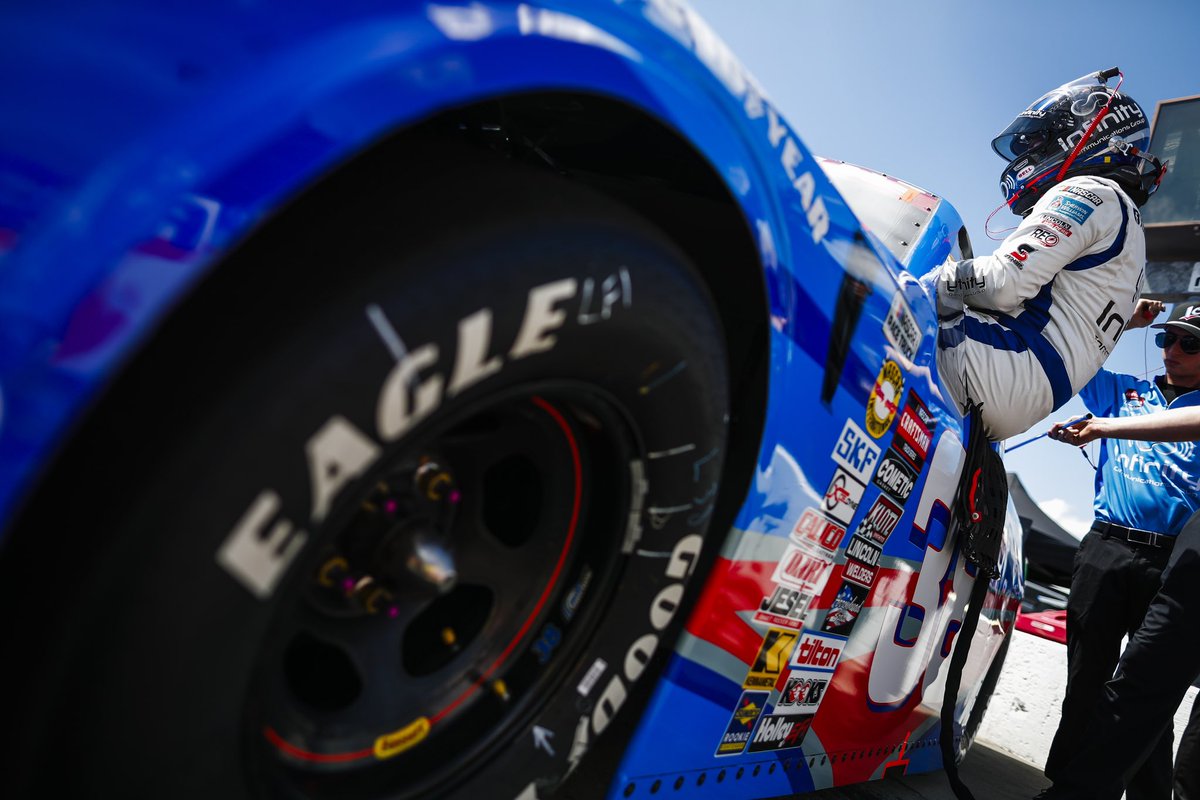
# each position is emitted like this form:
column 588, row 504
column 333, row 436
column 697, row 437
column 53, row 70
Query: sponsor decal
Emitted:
column 1045, row 237
column 966, row 285
column 1072, row 209
column 779, row 733
column 591, row 676
column 1133, row 398
column 802, row 693
column 1017, row 257
column 772, row 658
column 817, row 651
column 901, row 329
column 885, row 397
column 880, row 521
column 1079, row 191
column 785, row 607
column 737, row 733
column 1025, row 173
column 860, row 573
column 396, row 742
column 914, row 433
column 802, row 569
column 864, row 550
column 842, row 497
column 1057, row 223
column 855, row 451
column 817, row 533
column 895, row 476
column 845, row 609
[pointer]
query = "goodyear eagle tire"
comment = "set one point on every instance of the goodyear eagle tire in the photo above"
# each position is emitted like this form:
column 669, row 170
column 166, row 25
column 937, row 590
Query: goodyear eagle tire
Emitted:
column 422, row 510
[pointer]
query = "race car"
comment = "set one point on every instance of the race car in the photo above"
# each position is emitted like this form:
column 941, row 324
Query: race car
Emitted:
column 467, row 399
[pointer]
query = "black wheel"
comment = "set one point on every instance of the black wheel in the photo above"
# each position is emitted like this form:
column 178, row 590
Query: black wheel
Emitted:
column 423, row 508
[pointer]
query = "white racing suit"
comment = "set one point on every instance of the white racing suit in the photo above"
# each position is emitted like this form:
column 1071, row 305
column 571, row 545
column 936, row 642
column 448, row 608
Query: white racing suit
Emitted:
column 1022, row 330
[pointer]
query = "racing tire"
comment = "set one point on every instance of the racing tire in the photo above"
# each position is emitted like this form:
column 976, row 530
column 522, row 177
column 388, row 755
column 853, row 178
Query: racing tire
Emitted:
column 408, row 518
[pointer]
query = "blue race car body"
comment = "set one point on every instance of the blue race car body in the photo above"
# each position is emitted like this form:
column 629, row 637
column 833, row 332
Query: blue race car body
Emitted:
column 143, row 149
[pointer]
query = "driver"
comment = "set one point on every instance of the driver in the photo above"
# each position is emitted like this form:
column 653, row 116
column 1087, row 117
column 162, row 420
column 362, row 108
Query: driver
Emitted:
column 1023, row 329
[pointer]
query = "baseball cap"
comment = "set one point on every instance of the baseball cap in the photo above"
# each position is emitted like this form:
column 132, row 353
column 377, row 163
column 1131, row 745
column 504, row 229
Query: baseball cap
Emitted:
column 1185, row 316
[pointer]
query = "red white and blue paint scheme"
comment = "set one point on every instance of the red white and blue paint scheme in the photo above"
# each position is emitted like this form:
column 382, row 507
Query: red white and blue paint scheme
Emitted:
column 809, row 596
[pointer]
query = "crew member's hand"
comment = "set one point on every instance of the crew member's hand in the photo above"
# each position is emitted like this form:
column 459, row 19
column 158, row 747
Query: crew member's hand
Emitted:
column 1144, row 313
column 1079, row 432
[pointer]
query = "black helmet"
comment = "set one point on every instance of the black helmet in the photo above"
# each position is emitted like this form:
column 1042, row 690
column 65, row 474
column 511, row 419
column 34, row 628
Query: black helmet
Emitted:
column 1080, row 128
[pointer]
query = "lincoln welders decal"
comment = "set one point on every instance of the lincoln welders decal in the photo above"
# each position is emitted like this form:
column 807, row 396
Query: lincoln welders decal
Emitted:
column 737, row 733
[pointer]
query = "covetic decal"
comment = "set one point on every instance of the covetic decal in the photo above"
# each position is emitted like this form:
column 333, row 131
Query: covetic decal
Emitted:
column 895, row 476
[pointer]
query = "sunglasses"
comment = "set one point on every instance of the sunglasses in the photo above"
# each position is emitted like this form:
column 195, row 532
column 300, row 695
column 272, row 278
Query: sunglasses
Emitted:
column 1188, row 344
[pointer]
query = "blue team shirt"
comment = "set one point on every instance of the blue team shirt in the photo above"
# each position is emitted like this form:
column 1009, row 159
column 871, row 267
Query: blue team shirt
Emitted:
column 1154, row 486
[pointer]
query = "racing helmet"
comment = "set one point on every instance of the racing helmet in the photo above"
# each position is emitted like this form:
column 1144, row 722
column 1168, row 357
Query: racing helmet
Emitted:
column 1081, row 128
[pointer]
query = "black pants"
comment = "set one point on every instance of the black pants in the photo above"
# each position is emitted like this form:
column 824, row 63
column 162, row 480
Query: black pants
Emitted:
column 1122, row 737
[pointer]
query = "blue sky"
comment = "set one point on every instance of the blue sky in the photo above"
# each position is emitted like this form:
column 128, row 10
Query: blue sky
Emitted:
column 919, row 89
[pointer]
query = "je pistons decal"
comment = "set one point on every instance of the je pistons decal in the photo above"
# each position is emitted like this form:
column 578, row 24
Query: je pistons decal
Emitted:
column 784, row 608
column 780, row 732
column 901, row 329
column 845, row 609
column 737, row 732
column 817, row 534
column 802, row 693
column 802, row 570
column 895, row 476
column 817, row 652
column 855, row 451
column 880, row 521
column 842, row 496
column 773, row 655
column 885, row 397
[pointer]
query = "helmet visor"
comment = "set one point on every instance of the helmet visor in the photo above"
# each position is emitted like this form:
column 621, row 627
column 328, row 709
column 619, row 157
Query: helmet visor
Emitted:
column 1023, row 136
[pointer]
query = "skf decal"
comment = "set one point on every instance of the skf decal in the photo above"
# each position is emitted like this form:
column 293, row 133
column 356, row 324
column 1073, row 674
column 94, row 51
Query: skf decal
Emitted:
column 737, row 732
column 901, row 329
column 885, row 397
column 842, row 496
column 817, row 534
column 780, row 733
column 855, row 451
column 817, row 651
column 1073, row 210
column 845, row 609
column 895, row 476
column 773, row 655
column 802, row 570
column 396, row 742
column 880, row 521
column 785, row 607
